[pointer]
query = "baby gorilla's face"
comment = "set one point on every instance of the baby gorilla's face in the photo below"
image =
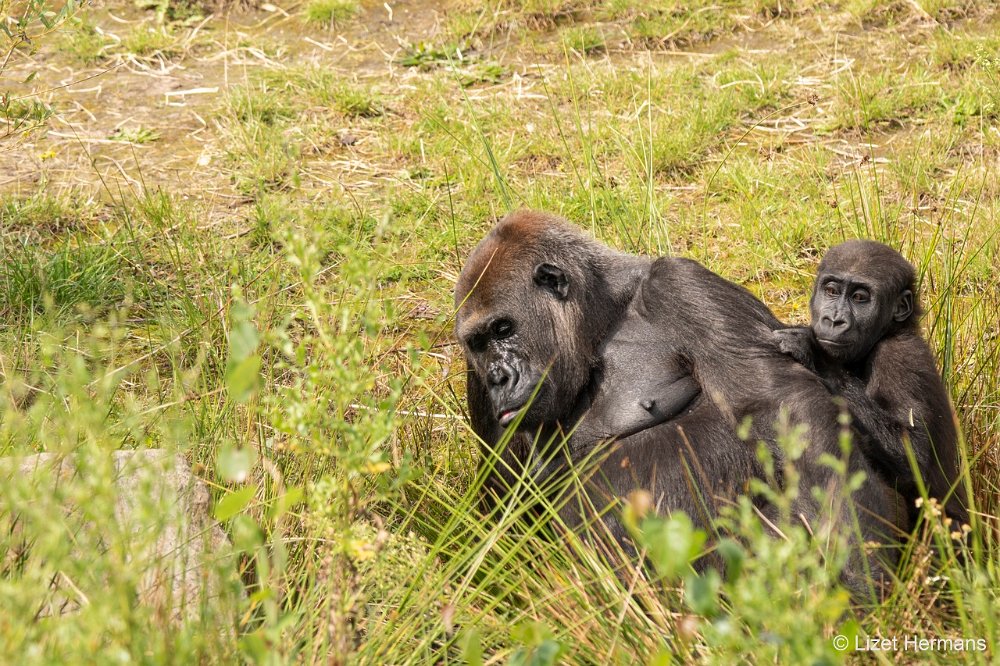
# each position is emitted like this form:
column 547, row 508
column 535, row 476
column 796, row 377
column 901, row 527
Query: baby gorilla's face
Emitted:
column 851, row 313
column 846, row 317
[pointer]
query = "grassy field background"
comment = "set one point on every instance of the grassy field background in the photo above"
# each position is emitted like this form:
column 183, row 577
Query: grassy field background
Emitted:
column 236, row 234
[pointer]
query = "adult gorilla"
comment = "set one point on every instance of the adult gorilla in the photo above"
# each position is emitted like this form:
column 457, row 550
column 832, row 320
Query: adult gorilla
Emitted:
column 543, row 311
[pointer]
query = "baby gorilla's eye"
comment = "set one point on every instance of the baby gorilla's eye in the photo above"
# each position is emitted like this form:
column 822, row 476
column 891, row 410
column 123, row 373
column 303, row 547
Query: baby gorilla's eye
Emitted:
column 831, row 290
column 860, row 296
column 502, row 328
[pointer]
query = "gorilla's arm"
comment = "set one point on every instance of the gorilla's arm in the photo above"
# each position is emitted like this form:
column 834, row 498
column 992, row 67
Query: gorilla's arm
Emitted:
column 640, row 383
column 904, row 391
column 799, row 342
column 621, row 410
column 882, row 433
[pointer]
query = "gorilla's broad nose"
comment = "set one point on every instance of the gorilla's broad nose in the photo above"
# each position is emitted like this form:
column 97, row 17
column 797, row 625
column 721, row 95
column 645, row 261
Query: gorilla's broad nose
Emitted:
column 501, row 375
column 497, row 377
column 835, row 323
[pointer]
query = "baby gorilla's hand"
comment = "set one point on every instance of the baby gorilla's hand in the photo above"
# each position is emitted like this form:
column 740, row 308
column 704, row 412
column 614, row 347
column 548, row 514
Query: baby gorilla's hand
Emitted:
column 798, row 343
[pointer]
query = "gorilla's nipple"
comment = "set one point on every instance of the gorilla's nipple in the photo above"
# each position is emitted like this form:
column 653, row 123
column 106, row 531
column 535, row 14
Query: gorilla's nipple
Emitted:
column 648, row 405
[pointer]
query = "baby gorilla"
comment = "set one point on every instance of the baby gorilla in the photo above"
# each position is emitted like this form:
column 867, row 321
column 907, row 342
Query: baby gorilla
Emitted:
column 865, row 345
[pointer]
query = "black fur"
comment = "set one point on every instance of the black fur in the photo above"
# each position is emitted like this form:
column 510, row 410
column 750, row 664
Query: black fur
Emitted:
column 613, row 329
column 865, row 343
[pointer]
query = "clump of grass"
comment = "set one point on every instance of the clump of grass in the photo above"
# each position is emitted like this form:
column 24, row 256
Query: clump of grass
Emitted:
column 887, row 12
column 139, row 135
column 680, row 139
column 69, row 278
column 332, row 11
column 42, row 213
column 961, row 51
column 427, row 55
column 868, row 100
column 272, row 214
column 262, row 147
column 671, row 23
column 146, row 41
column 950, row 10
column 260, row 103
column 355, row 101
column 765, row 85
column 82, row 41
column 878, row 12
column 175, row 10
column 482, row 72
column 264, row 157
column 584, row 39
column 470, row 69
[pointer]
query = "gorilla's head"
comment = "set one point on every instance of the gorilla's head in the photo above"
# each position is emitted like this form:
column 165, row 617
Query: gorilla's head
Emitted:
column 533, row 305
column 864, row 291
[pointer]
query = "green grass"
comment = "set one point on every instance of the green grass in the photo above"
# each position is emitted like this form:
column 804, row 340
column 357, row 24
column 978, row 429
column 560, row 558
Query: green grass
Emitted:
column 265, row 287
column 148, row 41
column 81, row 40
column 355, row 102
column 331, row 11
column 71, row 277
column 587, row 40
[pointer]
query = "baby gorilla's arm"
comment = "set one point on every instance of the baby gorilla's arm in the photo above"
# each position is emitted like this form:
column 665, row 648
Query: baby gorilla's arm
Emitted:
column 799, row 343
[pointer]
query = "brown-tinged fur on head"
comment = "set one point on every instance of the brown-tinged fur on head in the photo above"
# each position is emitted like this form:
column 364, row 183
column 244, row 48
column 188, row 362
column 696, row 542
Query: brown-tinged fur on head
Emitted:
column 556, row 338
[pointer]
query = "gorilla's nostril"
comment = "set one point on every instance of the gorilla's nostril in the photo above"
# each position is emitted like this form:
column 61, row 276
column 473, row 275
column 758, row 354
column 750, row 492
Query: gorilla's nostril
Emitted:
column 497, row 377
column 834, row 323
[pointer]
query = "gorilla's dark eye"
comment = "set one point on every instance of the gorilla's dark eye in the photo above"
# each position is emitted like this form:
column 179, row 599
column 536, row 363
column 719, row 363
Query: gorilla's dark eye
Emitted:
column 502, row 328
column 860, row 296
column 831, row 289
column 477, row 343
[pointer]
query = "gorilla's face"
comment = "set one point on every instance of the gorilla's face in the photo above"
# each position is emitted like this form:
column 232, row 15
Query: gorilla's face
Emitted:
column 861, row 293
column 522, row 329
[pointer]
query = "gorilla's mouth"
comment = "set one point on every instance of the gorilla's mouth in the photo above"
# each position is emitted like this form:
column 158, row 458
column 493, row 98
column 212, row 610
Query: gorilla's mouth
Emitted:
column 507, row 415
column 518, row 399
column 837, row 349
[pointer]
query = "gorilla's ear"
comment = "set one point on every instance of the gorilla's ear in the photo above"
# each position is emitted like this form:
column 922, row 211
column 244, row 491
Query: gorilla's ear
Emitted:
column 904, row 306
column 553, row 279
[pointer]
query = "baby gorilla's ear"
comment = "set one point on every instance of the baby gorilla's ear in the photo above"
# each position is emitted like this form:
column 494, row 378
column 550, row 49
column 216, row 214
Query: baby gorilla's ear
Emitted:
column 904, row 306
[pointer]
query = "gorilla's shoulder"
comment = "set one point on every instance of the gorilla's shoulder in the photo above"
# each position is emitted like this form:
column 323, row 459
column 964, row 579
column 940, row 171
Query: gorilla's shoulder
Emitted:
column 686, row 283
column 673, row 273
